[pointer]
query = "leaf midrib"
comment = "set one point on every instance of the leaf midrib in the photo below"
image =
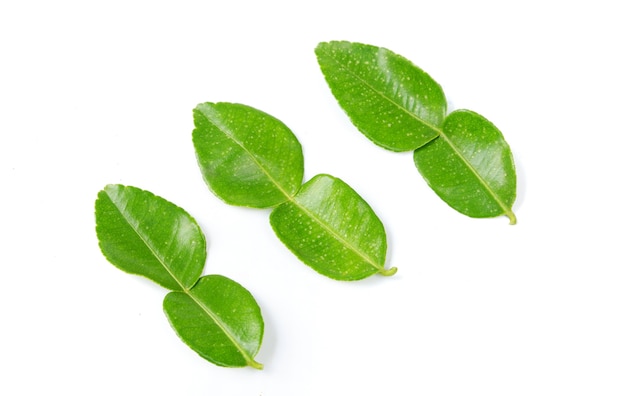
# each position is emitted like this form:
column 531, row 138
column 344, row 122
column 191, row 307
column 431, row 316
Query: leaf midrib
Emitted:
column 145, row 241
column 338, row 237
column 224, row 129
column 384, row 96
column 507, row 211
column 249, row 360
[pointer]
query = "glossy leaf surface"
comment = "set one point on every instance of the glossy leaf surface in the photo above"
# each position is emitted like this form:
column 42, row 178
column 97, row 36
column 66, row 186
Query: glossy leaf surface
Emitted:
column 389, row 99
column 333, row 230
column 218, row 319
column 144, row 234
column 470, row 166
column 246, row 156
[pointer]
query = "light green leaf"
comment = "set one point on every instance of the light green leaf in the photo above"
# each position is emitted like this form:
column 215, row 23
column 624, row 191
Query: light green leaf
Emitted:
column 389, row 99
column 146, row 235
column 333, row 230
column 246, row 156
column 218, row 319
column 470, row 166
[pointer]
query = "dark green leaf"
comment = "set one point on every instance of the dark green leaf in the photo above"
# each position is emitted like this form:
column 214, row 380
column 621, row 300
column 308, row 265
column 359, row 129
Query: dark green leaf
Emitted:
column 470, row 166
column 146, row 235
column 247, row 157
column 389, row 99
column 333, row 230
column 218, row 319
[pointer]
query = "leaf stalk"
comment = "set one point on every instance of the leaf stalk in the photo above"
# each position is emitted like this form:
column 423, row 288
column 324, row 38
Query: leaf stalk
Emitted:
column 388, row 272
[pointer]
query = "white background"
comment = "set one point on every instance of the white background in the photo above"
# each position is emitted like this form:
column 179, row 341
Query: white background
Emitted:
column 93, row 93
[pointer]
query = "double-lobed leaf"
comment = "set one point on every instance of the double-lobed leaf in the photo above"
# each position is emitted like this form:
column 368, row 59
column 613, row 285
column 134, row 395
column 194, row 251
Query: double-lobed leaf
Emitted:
column 144, row 234
column 333, row 230
column 247, row 157
column 463, row 157
column 325, row 223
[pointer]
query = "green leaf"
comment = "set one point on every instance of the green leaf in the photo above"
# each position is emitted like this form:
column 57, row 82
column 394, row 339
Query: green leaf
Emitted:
column 462, row 156
column 247, row 157
column 389, row 99
column 325, row 223
column 146, row 235
column 333, row 230
column 470, row 166
column 218, row 319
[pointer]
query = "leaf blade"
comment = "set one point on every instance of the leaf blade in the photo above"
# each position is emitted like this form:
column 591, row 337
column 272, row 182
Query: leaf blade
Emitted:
column 146, row 235
column 219, row 319
column 390, row 100
column 470, row 166
column 247, row 157
column 333, row 230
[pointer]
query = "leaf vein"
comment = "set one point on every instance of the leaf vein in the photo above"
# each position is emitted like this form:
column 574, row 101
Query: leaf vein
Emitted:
column 223, row 328
column 160, row 259
column 507, row 211
column 386, row 97
column 338, row 237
